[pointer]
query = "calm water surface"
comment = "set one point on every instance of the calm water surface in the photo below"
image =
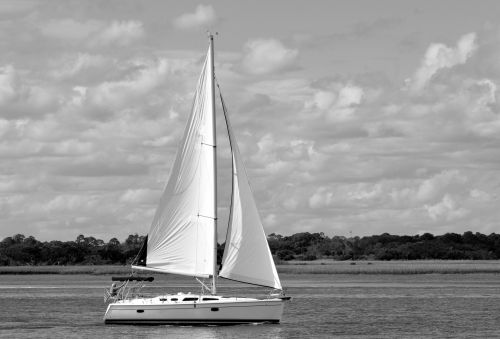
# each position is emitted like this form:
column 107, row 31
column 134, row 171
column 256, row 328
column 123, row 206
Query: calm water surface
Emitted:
column 323, row 306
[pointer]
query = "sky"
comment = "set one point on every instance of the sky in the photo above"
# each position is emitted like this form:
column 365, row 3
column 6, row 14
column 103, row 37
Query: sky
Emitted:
column 352, row 117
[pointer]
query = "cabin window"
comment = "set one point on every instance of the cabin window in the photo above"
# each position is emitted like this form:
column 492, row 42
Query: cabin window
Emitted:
column 208, row 299
column 163, row 299
column 173, row 299
column 140, row 311
column 190, row 299
column 214, row 309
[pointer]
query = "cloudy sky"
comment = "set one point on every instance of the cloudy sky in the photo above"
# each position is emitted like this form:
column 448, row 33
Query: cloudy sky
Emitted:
column 352, row 116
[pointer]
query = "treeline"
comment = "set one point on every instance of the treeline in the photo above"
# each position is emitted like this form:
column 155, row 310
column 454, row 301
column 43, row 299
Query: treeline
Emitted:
column 21, row 250
column 450, row 246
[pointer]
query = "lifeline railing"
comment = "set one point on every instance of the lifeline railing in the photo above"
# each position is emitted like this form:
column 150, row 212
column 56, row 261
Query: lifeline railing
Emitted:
column 130, row 287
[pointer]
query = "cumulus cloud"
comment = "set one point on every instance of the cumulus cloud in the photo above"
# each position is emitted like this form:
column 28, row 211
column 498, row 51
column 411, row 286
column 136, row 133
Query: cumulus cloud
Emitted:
column 19, row 97
column 140, row 196
column 324, row 99
column 91, row 135
column 202, row 17
column 439, row 56
column 94, row 32
column 7, row 83
column 71, row 202
column 159, row 142
column 270, row 220
column 388, row 159
column 350, row 95
column 321, row 198
column 144, row 79
column 13, row 6
column 101, row 168
column 120, row 33
column 349, row 194
column 72, row 65
column 338, row 102
column 446, row 209
column 70, row 29
column 430, row 188
column 490, row 97
column 480, row 195
column 264, row 56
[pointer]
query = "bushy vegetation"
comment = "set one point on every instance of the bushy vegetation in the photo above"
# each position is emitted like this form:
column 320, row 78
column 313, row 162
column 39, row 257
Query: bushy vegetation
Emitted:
column 21, row 250
column 450, row 246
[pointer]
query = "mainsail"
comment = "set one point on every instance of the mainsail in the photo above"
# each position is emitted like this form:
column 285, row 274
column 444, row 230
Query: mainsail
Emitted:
column 180, row 239
column 247, row 257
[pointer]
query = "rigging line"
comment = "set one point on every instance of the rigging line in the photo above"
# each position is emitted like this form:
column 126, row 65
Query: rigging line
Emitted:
column 255, row 284
column 224, row 110
column 143, row 250
column 234, row 149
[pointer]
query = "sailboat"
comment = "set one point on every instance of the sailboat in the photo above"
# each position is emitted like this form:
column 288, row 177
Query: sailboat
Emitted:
column 183, row 235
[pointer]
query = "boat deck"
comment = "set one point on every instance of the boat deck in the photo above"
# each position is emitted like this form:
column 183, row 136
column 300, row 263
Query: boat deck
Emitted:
column 190, row 298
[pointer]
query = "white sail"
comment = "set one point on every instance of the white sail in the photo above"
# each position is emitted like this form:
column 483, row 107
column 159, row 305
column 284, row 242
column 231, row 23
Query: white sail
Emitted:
column 247, row 257
column 180, row 239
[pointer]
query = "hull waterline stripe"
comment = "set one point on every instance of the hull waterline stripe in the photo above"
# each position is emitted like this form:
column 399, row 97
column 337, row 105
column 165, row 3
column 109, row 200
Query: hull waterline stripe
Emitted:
column 189, row 321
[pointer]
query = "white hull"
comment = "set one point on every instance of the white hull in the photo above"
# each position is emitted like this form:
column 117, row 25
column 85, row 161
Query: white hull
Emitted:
column 173, row 309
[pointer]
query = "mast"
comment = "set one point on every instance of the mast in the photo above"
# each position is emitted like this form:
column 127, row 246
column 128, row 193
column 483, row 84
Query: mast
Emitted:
column 212, row 89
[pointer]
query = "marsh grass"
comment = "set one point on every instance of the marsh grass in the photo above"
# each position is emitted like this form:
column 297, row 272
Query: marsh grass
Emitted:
column 302, row 267
column 392, row 267
column 84, row 269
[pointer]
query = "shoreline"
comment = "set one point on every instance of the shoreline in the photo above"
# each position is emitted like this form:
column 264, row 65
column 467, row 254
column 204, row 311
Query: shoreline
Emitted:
column 301, row 267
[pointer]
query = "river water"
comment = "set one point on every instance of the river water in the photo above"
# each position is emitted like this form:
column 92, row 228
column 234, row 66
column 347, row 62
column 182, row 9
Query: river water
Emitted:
column 323, row 306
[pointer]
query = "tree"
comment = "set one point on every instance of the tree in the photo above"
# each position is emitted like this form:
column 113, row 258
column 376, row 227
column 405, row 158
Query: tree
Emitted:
column 114, row 242
column 80, row 239
column 18, row 238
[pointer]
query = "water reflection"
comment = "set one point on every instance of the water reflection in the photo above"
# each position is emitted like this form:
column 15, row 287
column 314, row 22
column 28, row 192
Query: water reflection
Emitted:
column 216, row 332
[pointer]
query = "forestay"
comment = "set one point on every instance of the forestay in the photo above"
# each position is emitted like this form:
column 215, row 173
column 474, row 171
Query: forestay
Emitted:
column 180, row 237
